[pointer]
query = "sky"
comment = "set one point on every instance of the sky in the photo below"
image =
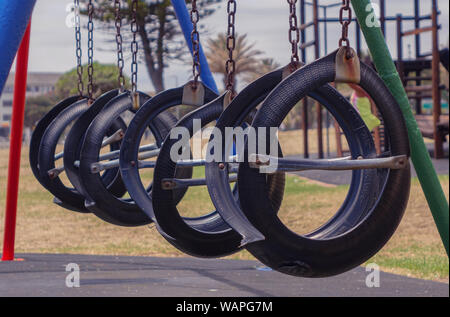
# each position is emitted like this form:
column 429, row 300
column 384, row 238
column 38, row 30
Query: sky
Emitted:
column 264, row 21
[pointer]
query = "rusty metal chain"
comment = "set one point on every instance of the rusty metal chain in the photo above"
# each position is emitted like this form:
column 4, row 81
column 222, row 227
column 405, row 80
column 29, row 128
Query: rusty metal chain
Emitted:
column 78, row 48
column 294, row 33
column 134, row 46
column 195, row 39
column 120, row 61
column 345, row 19
column 230, row 65
column 90, row 86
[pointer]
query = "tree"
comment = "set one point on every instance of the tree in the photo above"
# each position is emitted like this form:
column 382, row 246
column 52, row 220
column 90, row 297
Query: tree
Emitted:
column 266, row 65
column 159, row 32
column 105, row 79
column 37, row 107
column 245, row 55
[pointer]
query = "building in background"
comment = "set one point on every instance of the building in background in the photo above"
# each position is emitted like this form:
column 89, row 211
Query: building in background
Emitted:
column 37, row 84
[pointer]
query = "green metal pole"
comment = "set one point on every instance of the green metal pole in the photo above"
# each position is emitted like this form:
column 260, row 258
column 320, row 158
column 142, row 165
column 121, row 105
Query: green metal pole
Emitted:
column 419, row 154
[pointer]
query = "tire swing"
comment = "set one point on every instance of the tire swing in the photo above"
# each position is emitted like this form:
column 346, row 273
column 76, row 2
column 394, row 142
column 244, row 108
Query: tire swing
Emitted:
column 72, row 145
column 45, row 121
column 50, row 128
column 208, row 235
column 193, row 94
column 109, row 203
column 40, row 128
column 355, row 233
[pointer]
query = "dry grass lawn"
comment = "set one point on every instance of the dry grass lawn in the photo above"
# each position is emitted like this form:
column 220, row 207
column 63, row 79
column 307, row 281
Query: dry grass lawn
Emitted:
column 292, row 141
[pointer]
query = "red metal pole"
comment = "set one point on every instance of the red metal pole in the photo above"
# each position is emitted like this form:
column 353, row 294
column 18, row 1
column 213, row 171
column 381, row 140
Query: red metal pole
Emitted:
column 20, row 88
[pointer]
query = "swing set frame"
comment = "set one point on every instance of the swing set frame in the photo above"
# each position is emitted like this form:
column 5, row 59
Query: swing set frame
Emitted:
column 15, row 29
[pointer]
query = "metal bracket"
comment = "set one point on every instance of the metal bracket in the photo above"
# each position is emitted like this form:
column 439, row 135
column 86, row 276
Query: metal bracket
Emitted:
column 193, row 96
column 54, row 172
column 136, row 100
column 348, row 67
column 227, row 99
column 116, row 137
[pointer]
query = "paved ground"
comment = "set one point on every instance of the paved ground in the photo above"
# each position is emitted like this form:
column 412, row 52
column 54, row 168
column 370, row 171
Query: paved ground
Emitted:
column 45, row 275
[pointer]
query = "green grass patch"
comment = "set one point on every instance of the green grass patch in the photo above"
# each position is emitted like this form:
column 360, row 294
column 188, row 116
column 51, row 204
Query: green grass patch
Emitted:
column 425, row 262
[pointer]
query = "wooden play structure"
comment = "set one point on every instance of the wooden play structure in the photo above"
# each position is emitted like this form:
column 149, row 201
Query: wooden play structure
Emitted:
column 420, row 73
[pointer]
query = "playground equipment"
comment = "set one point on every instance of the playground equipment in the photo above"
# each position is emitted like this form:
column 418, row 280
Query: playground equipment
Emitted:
column 106, row 201
column 422, row 70
column 246, row 216
column 50, row 128
column 82, row 113
column 322, row 252
column 194, row 94
column 204, row 236
column 417, row 71
column 345, row 241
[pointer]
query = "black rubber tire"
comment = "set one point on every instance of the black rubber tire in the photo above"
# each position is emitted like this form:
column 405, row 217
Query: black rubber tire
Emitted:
column 329, row 250
column 99, row 200
column 207, row 236
column 67, row 197
column 443, row 55
column 211, row 222
column 129, row 150
column 218, row 181
column 74, row 140
column 39, row 131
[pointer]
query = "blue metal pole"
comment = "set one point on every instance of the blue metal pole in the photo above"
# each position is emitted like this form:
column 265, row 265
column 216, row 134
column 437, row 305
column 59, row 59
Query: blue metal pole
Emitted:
column 184, row 19
column 14, row 17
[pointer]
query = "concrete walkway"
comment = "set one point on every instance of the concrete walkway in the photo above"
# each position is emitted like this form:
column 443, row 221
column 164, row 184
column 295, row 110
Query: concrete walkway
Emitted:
column 45, row 275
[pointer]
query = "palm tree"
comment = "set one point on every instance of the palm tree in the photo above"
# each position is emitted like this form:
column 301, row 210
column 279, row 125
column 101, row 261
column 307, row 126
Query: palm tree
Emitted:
column 245, row 55
column 265, row 65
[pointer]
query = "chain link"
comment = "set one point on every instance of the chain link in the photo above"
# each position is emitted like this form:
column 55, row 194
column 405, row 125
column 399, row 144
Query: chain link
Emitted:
column 195, row 39
column 120, row 61
column 90, row 87
column 134, row 46
column 294, row 33
column 230, row 66
column 345, row 19
column 78, row 47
